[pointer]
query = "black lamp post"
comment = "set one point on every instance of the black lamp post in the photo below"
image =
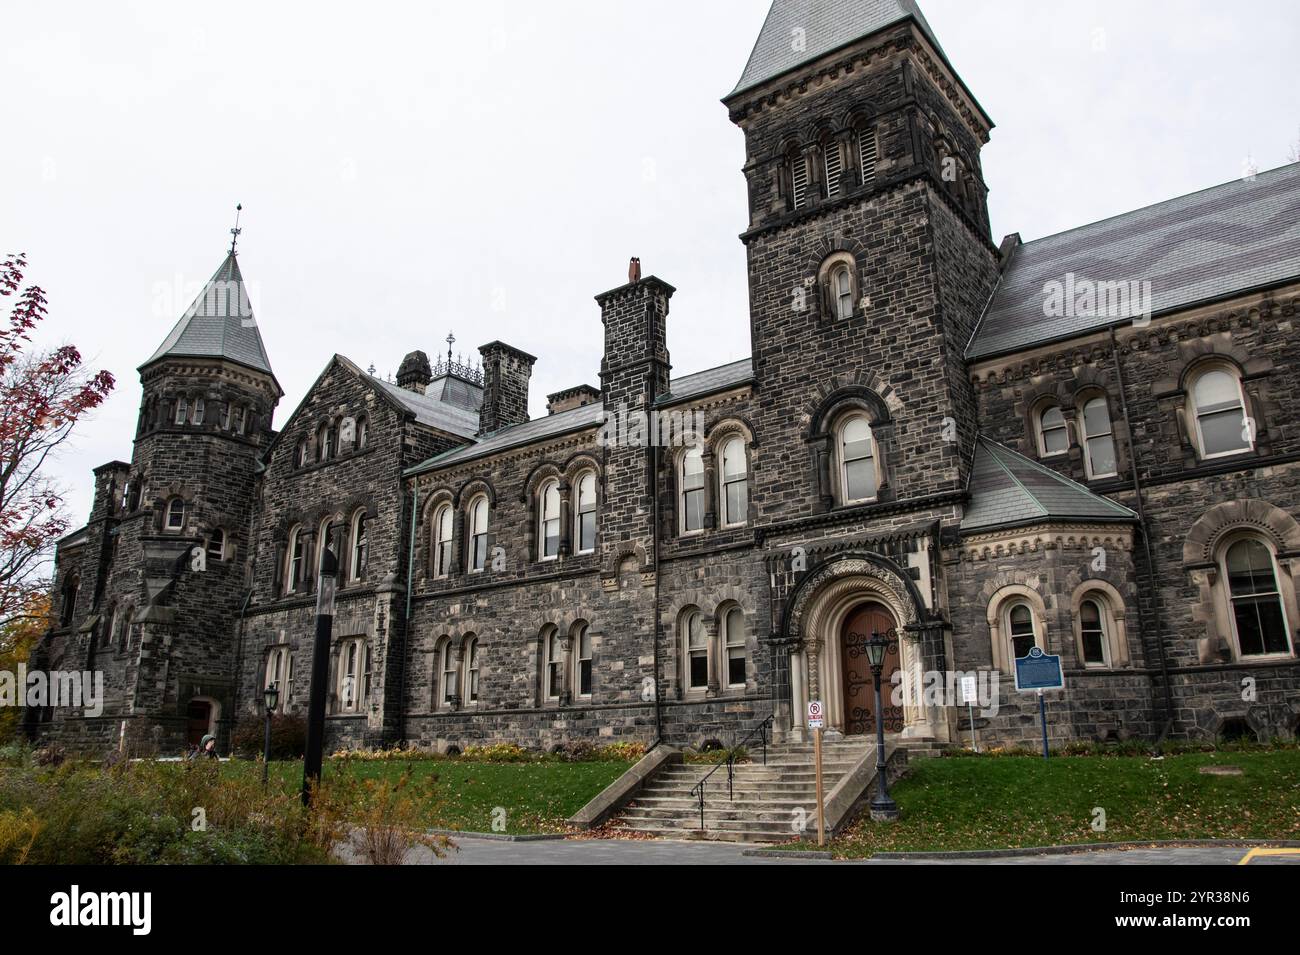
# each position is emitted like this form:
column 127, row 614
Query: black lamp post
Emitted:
column 271, row 698
column 883, row 807
column 320, row 668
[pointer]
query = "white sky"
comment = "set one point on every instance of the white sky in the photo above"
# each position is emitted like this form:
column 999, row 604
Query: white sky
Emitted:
column 486, row 168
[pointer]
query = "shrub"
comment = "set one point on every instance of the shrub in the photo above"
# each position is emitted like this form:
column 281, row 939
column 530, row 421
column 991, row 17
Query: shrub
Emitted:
column 288, row 736
column 377, row 820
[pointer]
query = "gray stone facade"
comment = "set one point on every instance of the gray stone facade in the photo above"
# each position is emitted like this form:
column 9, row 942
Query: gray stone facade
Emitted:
column 687, row 609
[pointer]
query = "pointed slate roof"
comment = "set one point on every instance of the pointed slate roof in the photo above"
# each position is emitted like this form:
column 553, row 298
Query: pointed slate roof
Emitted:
column 827, row 25
column 1197, row 248
column 219, row 324
column 1008, row 489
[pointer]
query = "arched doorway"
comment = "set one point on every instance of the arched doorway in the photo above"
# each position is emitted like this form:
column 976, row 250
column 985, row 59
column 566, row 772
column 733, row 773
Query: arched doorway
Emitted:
column 200, row 719
column 859, row 685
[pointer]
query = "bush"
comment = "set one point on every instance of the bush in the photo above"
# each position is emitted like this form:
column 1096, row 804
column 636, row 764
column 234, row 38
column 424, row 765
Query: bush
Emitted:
column 288, row 736
column 377, row 820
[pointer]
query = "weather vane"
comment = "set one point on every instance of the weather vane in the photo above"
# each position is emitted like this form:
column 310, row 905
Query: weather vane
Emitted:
column 234, row 233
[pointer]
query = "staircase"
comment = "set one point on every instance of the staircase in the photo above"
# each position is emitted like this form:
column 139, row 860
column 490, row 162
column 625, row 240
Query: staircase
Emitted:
column 768, row 803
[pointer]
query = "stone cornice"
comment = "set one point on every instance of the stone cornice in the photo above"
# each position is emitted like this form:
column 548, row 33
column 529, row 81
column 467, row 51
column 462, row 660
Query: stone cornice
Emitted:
column 1040, row 537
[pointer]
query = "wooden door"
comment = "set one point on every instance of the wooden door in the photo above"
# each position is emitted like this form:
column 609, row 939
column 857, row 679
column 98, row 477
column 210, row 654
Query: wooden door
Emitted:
column 859, row 688
column 198, row 719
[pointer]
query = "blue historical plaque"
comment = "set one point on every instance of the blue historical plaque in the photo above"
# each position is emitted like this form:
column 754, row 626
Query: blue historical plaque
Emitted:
column 1039, row 671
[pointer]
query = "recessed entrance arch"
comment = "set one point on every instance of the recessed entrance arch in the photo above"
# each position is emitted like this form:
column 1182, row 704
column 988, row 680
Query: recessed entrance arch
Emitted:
column 201, row 718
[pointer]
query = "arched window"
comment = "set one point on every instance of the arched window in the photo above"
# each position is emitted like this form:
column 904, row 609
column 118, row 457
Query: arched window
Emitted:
column 691, row 483
column 733, row 638
column 217, row 544
column 548, row 520
column 695, row 652
column 1053, row 436
column 241, row 419
column 360, row 545
column 302, row 456
column 552, row 664
column 182, row 410
column 1020, row 630
column 1098, row 439
column 224, row 421
column 798, row 172
column 857, row 460
column 1220, row 412
column 109, row 637
column 867, row 153
column 362, row 433
column 447, row 695
column 295, row 554
column 834, row 164
column 176, row 514
column 584, row 515
column 582, row 664
column 1258, row 619
column 842, row 291
column 323, row 435
column 471, row 669
column 279, row 673
column 478, row 533
column 1092, row 634
column 200, row 411
column 324, row 542
column 735, row 483
column 71, row 585
column 354, row 675
column 442, row 541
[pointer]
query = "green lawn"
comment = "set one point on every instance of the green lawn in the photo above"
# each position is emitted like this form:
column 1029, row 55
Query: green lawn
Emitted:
column 537, row 796
column 1008, row 802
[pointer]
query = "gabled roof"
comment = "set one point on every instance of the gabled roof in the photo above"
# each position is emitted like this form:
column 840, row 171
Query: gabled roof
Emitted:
column 219, row 324
column 1007, row 490
column 430, row 410
column 827, row 25
column 587, row 416
column 1197, row 248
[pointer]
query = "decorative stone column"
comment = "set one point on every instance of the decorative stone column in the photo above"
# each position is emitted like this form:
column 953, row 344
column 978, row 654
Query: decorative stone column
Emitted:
column 711, row 641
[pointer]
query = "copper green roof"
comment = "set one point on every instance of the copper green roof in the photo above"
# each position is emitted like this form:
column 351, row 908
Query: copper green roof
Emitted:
column 1008, row 490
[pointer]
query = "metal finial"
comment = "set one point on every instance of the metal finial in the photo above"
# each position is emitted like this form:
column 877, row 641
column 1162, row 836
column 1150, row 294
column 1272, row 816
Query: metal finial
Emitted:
column 234, row 233
column 451, row 340
column 371, row 370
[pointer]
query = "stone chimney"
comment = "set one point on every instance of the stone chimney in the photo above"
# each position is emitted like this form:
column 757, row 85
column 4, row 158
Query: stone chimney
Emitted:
column 571, row 398
column 506, row 371
column 414, row 374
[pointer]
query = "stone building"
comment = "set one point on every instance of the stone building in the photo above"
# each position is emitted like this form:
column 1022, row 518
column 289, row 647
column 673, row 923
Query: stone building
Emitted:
column 1084, row 443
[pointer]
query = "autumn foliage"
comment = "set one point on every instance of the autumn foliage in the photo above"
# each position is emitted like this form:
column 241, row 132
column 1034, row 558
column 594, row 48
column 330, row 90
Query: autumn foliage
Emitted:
column 43, row 393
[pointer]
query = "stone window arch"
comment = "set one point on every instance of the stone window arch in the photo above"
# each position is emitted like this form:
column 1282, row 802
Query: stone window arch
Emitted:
column 1017, row 619
column 359, row 535
column 1216, row 404
column 733, row 481
column 441, row 540
column 548, row 519
column 1097, row 436
column 477, row 516
column 585, row 510
column 838, row 280
column 1097, row 612
column 1051, row 431
column 733, row 636
column 858, row 474
column 446, row 690
column 174, row 519
column 696, row 652
column 1252, row 593
column 554, row 651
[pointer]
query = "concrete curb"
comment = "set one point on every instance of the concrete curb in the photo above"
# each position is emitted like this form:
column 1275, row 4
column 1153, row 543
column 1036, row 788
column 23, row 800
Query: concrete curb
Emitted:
column 502, row 836
column 1035, row 850
column 790, row 854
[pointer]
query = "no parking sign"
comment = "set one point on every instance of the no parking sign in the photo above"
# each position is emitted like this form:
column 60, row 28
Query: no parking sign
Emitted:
column 815, row 717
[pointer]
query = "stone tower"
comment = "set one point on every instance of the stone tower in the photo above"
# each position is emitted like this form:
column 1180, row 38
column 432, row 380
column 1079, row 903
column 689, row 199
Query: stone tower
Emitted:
column 868, row 248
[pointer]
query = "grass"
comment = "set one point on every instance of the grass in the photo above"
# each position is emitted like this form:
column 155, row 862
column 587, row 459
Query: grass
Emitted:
column 1021, row 801
column 513, row 798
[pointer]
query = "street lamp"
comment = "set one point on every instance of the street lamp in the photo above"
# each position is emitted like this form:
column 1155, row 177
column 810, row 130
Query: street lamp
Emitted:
column 270, row 697
column 320, row 668
column 883, row 807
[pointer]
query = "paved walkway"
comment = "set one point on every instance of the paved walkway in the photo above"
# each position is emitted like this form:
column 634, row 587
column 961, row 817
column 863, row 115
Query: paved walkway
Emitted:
column 478, row 851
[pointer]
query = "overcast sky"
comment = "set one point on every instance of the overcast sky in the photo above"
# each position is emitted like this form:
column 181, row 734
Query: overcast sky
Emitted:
column 407, row 170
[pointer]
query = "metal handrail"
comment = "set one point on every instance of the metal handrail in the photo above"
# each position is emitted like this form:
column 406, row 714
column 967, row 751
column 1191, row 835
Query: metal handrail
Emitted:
column 698, row 790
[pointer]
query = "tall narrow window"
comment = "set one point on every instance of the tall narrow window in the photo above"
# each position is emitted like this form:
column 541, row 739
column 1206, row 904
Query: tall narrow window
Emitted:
column 224, row 421
column 279, row 671
column 697, row 651
column 176, row 514
column 1021, row 630
column 365, row 675
column 583, row 642
column 200, row 410
column 798, row 180
column 348, row 676
column 296, row 556
column 478, row 533
column 867, row 153
column 324, row 541
column 1053, row 437
column 362, row 433
column 1257, row 615
column 182, row 410
column 323, row 443
column 842, row 291
column 442, row 541
column 857, row 461
column 733, row 627
column 1092, row 630
column 447, row 665
column 471, row 670
column 834, row 167
column 692, row 490
column 241, row 419
column 360, row 545
column 217, row 544
column 554, row 664
column 1220, row 414
column 71, row 585
column 735, row 482
column 548, row 532
column 585, row 516
column 1099, row 439
column 302, row 456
